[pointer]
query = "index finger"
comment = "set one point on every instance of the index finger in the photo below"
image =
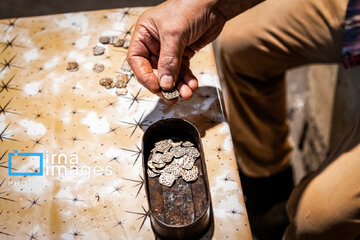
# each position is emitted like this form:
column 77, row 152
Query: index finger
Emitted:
column 138, row 55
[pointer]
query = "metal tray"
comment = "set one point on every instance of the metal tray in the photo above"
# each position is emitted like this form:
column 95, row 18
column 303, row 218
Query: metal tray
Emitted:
column 183, row 210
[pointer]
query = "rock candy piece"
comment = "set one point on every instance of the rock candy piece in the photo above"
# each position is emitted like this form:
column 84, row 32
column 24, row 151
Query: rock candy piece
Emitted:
column 72, row 66
column 190, row 175
column 167, row 179
column 170, row 94
column 152, row 173
column 98, row 50
column 178, row 151
column 104, row 39
column 98, row 68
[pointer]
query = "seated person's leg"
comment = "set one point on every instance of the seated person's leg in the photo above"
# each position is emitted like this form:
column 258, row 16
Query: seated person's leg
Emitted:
column 326, row 204
column 254, row 51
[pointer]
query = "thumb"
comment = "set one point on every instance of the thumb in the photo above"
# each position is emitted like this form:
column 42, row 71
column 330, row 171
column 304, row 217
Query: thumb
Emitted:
column 171, row 51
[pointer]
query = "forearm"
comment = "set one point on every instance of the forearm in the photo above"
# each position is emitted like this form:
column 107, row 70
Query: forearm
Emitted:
column 232, row 8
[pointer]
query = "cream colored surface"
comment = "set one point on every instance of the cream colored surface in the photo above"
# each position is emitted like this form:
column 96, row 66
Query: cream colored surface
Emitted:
column 49, row 110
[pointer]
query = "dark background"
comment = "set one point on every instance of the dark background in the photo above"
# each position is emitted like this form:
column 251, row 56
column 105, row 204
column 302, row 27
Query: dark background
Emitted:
column 25, row 8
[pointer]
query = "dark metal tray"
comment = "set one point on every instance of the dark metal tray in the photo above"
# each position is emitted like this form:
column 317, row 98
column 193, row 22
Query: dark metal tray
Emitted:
column 183, row 210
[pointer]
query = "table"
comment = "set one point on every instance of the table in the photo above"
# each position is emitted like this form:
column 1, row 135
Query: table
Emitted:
column 90, row 138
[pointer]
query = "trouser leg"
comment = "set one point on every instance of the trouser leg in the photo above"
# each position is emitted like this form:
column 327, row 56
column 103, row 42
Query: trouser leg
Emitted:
column 326, row 203
column 255, row 49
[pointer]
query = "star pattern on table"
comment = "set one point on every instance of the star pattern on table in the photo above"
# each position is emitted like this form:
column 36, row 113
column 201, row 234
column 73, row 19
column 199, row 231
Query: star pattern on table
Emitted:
column 127, row 12
column 9, row 43
column 114, row 158
column 142, row 215
column 139, row 183
column 120, row 223
column 3, row 109
column 213, row 121
column 137, row 153
column 37, row 142
column 128, row 32
column 111, row 104
column 227, row 179
column 9, row 24
column 136, row 124
column 76, row 199
column 32, row 236
column 235, row 212
column 219, row 149
column 38, row 115
column 8, row 64
column 75, row 139
column 117, row 189
column 4, row 193
column 6, row 86
column 3, row 137
column 76, row 234
column 113, row 130
column 135, row 98
column 34, row 202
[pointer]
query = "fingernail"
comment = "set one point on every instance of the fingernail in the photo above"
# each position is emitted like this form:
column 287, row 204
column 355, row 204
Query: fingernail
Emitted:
column 167, row 82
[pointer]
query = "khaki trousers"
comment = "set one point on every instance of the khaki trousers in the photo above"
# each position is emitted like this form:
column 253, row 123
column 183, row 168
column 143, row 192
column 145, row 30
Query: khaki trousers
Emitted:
column 254, row 51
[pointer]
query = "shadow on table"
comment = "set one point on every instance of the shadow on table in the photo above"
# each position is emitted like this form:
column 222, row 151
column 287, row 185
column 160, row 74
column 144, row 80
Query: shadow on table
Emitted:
column 203, row 110
column 26, row 8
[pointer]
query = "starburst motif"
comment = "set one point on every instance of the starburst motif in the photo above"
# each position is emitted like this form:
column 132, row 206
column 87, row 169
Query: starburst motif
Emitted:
column 2, row 135
column 10, row 24
column 114, row 158
column 136, row 124
column 117, row 189
column 38, row 115
column 8, row 64
column 120, row 223
column 4, row 192
column 135, row 98
column 111, row 104
column 76, row 234
column 143, row 215
column 3, row 164
column 32, row 236
column 76, row 199
column 128, row 32
column 3, row 109
column 6, row 86
column 34, row 202
column 126, row 13
column 234, row 212
column 75, row 139
column 139, row 183
column 137, row 153
column 219, row 149
column 227, row 179
column 9, row 43
column 213, row 121
column 37, row 142
column 113, row 130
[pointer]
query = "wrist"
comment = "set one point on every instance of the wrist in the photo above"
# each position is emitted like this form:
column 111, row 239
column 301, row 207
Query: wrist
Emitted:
column 232, row 8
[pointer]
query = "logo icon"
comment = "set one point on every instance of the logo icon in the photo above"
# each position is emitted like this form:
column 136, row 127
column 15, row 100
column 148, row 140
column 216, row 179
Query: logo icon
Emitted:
column 34, row 155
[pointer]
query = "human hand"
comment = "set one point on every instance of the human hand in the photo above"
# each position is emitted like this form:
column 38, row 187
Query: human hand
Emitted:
column 166, row 37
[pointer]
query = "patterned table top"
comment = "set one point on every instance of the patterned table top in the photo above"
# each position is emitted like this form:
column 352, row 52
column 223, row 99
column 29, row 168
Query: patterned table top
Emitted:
column 91, row 136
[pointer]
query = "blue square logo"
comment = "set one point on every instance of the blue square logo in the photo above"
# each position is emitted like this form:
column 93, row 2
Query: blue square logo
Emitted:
column 15, row 153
